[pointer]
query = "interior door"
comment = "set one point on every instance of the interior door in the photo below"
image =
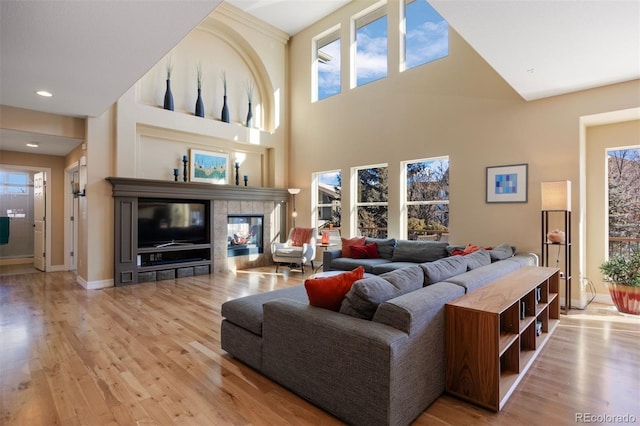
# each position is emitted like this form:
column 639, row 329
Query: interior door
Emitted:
column 39, row 185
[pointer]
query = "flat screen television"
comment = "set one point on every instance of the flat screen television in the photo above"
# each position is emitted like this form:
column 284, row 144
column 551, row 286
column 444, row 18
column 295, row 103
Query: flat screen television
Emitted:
column 163, row 223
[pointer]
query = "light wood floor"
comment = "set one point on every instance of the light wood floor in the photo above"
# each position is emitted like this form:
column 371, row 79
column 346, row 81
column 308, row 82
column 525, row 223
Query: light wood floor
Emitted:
column 150, row 354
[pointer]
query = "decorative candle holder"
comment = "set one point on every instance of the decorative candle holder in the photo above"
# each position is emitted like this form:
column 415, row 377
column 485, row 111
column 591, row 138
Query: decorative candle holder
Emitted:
column 237, row 166
column 246, row 180
column 185, row 160
column 175, row 175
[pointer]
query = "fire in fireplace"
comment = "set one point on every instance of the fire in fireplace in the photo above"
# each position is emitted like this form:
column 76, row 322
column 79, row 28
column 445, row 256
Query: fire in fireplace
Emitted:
column 244, row 235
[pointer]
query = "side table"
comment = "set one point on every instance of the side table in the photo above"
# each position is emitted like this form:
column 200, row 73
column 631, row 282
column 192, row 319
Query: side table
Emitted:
column 323, row 247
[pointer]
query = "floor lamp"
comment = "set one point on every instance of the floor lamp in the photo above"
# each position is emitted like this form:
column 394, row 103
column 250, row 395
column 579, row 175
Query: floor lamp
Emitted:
column 294, row 214
column 556, row 197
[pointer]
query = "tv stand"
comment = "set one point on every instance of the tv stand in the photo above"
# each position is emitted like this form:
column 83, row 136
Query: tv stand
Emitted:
column 164, row 261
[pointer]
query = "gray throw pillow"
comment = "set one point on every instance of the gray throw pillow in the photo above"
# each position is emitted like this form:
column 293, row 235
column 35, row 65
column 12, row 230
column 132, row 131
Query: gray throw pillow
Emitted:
column 442, row 269
column 477, row 259
column 386, row 246
column 502, row 251
column 362, row 300
column 419, row 251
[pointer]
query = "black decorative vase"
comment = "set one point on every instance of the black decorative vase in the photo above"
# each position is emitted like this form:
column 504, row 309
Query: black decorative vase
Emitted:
column 249, row 116
column 199, row 105
column 168, row 97
column 225, row 110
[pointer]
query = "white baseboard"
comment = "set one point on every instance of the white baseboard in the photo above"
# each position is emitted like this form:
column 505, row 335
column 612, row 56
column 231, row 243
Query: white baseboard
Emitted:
column 57, row 268
column 603, row 298
column 94, row 285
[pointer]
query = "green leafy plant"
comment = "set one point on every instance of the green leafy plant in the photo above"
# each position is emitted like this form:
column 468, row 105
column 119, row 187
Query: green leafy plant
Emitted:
column 623, row 270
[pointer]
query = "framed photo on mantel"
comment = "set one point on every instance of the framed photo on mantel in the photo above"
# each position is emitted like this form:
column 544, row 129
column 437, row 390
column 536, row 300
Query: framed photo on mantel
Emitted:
column 507, row 184
column 210, row 167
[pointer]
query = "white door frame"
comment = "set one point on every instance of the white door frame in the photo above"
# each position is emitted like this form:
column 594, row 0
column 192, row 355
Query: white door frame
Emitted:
column 47, row 206
column 70, row 226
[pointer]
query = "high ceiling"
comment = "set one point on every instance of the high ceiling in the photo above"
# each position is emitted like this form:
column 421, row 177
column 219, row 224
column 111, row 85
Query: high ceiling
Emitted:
column 89, row 52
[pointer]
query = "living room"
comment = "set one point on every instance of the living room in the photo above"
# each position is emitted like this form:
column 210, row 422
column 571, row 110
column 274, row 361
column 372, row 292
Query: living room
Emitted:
column 458, row 107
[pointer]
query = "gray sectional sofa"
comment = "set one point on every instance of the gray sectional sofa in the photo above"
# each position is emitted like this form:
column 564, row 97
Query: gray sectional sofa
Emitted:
column 381, row 359
column 397, row 254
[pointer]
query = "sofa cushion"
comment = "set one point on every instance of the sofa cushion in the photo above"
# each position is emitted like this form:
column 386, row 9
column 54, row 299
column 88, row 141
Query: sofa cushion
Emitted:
column 501, row 252
column 347, row 264
column 477, row 259
column 419, row 251
column 328, row 292
column 391, row 266
column 347, row 243
column 366, row 294
column 367, row 251
column 479, row 277
column 442, row 269
column 386, row 246
column 246, row 312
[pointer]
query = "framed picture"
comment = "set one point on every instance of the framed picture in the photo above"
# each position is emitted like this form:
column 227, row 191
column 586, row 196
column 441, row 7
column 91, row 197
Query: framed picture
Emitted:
column 210, row 167
column 507, row 184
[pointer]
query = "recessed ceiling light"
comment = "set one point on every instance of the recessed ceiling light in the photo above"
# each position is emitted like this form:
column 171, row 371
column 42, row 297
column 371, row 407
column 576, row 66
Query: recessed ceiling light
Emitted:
column 33, row 144
column 44, row 93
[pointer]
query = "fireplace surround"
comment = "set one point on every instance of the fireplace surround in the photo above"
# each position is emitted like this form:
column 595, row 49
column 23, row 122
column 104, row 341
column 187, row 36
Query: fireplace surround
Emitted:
column 248, row 206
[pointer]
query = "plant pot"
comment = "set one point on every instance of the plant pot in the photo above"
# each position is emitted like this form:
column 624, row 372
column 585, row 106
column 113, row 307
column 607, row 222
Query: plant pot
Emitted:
column 199, row 105
column 224, row 116
column 625, row 297
column 168, row 97
column 249, row 116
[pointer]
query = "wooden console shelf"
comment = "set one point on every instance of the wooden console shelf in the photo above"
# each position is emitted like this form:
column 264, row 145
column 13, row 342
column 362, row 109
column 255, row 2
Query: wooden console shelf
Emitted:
column 491, row 336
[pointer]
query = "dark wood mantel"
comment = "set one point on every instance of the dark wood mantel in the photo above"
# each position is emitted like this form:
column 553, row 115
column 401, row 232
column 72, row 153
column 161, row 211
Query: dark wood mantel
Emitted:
column 153, row 188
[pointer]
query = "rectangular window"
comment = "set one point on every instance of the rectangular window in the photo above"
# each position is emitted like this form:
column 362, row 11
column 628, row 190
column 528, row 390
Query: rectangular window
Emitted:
column 427, row 199
column 372, row 200
column 426, row 34
column 328, row 189
column 371, row 46
column 327, row 58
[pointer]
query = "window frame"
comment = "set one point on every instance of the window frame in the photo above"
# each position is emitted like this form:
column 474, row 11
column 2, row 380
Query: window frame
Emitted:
column 405, row 203
column 324, row 39
column 316, row 205
column 359, row 20
column 355, row 198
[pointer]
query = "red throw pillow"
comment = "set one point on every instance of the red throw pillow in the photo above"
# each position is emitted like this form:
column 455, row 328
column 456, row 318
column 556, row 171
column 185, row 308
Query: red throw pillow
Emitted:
column 328, row 292
column 367, row 251
column 372, row 250
column 348, row 243
column 359, row 252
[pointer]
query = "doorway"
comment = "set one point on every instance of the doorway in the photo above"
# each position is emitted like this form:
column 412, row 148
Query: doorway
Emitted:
column 71, row 206
column 17, row 216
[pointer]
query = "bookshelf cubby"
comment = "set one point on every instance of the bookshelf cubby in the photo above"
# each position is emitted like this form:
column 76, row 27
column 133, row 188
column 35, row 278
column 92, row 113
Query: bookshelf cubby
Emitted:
column 491, row 338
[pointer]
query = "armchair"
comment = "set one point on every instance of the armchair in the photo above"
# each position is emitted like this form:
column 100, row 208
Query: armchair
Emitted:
column 300, row 248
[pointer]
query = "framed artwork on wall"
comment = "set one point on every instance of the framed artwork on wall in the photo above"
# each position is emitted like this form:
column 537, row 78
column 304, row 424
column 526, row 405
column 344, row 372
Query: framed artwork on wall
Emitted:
column 209, row 167
column 507, row 184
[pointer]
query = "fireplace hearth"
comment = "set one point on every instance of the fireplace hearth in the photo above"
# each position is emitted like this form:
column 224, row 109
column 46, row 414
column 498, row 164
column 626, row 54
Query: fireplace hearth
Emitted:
column 244, row 235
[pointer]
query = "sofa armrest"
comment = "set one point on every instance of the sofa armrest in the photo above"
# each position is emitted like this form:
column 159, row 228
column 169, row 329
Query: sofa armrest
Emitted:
column 353, row 368
column 328, row 256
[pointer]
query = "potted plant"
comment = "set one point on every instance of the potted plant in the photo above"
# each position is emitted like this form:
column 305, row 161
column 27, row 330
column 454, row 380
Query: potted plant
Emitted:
column 622, row 275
